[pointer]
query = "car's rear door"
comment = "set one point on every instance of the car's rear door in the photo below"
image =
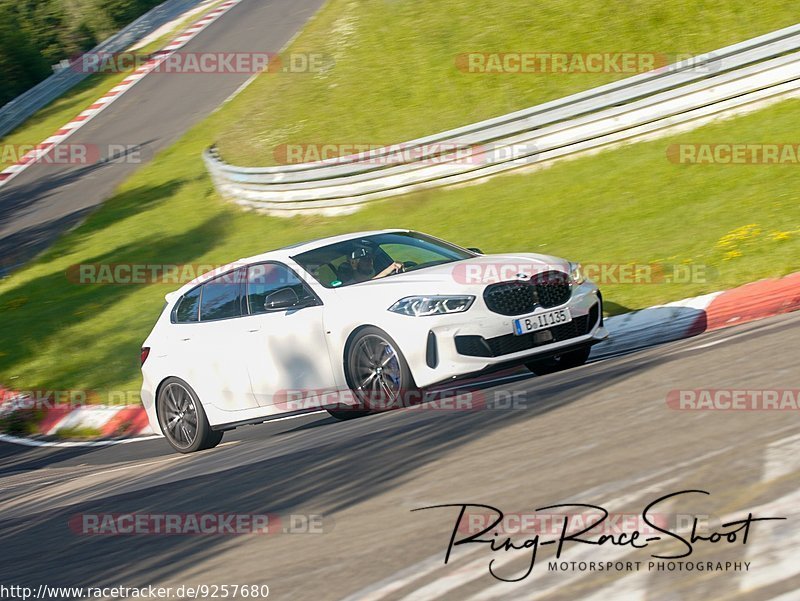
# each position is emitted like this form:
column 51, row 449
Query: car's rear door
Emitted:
column 287, row 352
column 210, row 348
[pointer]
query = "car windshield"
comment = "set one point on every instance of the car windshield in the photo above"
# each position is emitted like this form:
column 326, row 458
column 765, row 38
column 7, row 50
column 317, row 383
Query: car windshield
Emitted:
column 369, row 257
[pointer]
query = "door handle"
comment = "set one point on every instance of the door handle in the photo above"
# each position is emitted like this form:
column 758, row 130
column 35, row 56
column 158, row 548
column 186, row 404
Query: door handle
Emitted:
column 185, row 339
column 254, row 330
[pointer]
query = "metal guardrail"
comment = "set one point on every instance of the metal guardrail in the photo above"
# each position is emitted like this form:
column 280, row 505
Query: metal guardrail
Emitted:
column 751, row 71
column 26, row 104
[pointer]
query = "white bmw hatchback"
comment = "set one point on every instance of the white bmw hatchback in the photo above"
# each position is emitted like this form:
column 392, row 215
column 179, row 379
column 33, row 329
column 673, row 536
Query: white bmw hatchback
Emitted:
column 354, row 324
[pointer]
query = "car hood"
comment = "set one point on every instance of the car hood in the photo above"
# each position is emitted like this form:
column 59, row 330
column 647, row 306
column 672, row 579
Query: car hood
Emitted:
column 469, row 276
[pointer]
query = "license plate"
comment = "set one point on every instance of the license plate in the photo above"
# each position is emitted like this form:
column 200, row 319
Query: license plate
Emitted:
column 541, row 321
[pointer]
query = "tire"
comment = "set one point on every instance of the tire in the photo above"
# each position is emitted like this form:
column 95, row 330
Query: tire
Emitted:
column 376, row 373
column 182, row 418
column 559, row 362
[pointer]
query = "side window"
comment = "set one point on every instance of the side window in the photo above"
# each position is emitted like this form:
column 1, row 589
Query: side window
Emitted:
column 408, row 252
column 266, row 278
column 221, row 298
column 187, row 308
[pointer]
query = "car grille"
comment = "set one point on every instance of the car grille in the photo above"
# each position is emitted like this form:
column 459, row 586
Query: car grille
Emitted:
column 478, row 346
column 548, row 289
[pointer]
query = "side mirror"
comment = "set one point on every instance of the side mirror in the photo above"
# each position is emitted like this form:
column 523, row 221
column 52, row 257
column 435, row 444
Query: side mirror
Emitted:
column 280, row 300
column 475, row 250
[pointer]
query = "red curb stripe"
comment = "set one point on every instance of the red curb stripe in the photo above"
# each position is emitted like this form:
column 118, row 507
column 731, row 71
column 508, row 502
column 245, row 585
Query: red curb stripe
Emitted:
column 52, row 416
column 754, row 301
column 144, row 70
column 126, row 422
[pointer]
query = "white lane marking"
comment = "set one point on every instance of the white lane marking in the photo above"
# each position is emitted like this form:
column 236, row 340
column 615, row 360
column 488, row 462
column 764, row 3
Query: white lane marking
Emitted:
column 283, row 419
column 781, row 458
column 27, row 442
column 718, row 341
column 773, row 553
column 407, row 576
column 252, row 78
column 790, row 596
column 378, row 590
column 631, row 587
column 172, row 25
column 546, row 582
column 134, row 464
column 102, row 103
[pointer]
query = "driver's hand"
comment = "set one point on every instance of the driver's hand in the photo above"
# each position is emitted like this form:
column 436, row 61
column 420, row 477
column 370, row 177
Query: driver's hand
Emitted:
column 393, row 268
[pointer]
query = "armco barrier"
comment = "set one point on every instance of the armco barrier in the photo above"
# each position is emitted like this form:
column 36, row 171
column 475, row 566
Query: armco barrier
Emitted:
column 754, row 71
column 26, row 104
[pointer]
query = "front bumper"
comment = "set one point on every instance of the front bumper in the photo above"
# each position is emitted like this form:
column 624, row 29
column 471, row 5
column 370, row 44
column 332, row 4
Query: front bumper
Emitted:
column 479, row 340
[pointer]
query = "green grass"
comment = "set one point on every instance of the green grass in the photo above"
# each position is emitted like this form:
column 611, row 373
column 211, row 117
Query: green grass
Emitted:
column 629, row 205
column 61, row 111
column 21, row 422
column 395, row 75
column 78, row 432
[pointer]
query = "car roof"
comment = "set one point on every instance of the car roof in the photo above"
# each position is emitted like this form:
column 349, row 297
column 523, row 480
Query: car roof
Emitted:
column 278, row 254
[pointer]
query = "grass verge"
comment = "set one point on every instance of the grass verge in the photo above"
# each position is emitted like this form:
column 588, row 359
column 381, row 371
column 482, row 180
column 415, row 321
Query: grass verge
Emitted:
column 395, row 79
column 629, row 205
column 395, row 76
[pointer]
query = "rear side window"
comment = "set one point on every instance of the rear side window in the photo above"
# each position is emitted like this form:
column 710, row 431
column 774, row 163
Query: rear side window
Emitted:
column 220, row 299
column 187, row 308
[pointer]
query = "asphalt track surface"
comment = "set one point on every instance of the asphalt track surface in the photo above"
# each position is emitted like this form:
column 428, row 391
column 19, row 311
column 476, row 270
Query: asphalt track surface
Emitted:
column 49, row 199
column 600, row 434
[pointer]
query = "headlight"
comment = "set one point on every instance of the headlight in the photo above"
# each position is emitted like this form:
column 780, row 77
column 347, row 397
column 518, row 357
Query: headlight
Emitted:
column 420, row 306
column 576, row 273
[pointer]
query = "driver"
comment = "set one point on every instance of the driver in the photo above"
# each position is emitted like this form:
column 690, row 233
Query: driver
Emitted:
column 362, row 262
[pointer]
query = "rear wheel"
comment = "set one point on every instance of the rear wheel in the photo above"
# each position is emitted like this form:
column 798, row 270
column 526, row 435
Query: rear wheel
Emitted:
column 182, row 418
column 559, row 362
column 377, row 373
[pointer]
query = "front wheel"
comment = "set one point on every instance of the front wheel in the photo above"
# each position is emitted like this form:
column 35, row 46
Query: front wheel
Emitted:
column 378, row 375
column 559, row 362
column 182, row 418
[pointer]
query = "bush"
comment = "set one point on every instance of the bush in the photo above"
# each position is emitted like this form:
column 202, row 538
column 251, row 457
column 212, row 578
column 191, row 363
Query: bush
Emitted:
column 35, row 34
column 21, row 422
